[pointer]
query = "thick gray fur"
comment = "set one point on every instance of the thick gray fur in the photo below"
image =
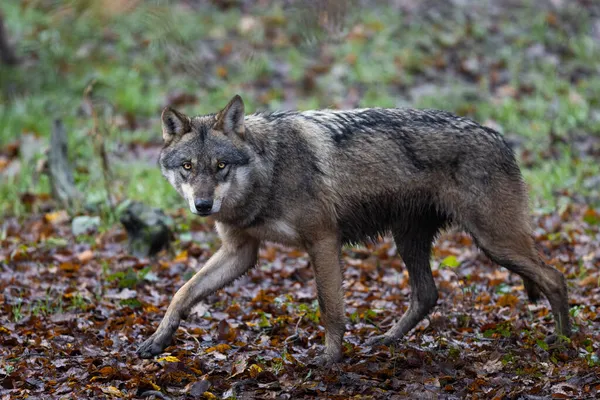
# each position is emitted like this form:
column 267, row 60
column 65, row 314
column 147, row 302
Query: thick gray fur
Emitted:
column 318, row 179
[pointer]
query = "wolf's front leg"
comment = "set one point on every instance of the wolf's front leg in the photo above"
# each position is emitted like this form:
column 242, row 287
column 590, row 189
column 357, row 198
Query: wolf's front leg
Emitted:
column 231, row 261
column 325, row 258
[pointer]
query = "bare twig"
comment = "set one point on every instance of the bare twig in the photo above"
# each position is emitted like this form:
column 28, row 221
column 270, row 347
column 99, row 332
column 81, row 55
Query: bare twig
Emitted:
column 187, row 333
column 295, row 336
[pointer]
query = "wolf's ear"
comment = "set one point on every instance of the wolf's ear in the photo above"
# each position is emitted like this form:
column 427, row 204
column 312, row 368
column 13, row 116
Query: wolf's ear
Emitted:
column 174, row 123
column 231, row 118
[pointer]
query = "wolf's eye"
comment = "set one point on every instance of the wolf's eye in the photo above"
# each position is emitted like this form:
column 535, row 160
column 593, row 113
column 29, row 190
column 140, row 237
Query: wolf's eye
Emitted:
column 187, row 166
column 221, row 165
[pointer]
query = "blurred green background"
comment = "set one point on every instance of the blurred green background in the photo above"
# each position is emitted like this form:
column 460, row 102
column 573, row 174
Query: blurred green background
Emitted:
column 106, row 68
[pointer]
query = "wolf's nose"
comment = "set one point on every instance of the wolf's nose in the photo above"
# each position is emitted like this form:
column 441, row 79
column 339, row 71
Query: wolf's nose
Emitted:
column 204, row 206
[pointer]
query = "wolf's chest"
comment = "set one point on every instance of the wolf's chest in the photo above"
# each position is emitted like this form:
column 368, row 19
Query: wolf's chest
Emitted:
column 279, row 231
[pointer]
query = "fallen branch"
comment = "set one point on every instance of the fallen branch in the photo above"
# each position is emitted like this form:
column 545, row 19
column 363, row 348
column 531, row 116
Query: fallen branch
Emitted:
column 59, row 169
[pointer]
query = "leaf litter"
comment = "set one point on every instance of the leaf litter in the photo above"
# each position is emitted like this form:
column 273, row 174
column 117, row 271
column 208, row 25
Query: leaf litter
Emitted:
column 74, row 312
column 75, row 307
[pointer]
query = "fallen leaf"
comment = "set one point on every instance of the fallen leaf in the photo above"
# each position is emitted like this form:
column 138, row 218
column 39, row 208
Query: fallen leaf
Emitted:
column 85, row 256
column 181, row 257
column 57, row 217
column 170, row 359
column 254, row 370
column 113, row 391
column 508, row 300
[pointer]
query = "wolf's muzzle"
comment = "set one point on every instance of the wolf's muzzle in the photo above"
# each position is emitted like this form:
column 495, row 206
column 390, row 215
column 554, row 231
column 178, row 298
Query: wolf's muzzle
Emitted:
column 203, row 206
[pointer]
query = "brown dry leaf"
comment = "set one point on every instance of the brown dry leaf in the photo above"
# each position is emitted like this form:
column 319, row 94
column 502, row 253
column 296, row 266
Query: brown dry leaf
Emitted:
column 181, row 257
column 269, row 253
column 483, row 298
column 508, row 300
column 254, row 370
column 591, row 216
column 69, row 267
column 552, row 19
column 85, row 256
column 57, row 217
column 590, row 280
column 113, row 391
column 221, row 348
column 107, row 371
column 80, row 310
column 3, row 163
column 170, row 359
column 149, row 309
column 221, row 71
column 226, row 331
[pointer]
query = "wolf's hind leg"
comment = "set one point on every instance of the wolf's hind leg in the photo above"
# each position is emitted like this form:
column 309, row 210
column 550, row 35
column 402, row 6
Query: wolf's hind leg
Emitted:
column 533, row 291
column 414, row 246
column 499, row 223
column 514, row 249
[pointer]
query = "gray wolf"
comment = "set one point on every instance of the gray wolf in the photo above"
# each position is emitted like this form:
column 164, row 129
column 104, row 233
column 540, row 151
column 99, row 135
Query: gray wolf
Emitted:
column 319, row 179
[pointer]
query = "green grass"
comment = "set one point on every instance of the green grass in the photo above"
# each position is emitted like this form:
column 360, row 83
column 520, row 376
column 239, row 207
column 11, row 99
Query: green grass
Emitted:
column 550, row 179
column 135, row 60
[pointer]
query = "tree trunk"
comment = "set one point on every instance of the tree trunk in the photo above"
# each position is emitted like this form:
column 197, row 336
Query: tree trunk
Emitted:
column 7, row 54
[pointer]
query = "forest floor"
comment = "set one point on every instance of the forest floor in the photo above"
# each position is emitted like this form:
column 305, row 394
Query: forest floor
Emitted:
column 75, row 307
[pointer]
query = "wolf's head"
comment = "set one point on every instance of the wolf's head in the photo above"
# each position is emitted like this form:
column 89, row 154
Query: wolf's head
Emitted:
column 207, row 159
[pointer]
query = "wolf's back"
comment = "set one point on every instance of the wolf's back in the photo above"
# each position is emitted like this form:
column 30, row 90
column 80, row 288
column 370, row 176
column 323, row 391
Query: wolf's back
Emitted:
column 408, row 141
column 378, row 166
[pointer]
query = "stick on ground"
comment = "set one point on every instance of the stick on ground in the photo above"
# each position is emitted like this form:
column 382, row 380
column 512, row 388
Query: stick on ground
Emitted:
column 60, row 171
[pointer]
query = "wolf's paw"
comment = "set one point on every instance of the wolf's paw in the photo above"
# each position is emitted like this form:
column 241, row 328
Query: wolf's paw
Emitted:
column 380, row 340
column 151, row 347
column 326, row 360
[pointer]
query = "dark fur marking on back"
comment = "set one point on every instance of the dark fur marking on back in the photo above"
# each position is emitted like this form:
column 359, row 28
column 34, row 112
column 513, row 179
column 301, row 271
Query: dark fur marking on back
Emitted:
column 275, row 115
